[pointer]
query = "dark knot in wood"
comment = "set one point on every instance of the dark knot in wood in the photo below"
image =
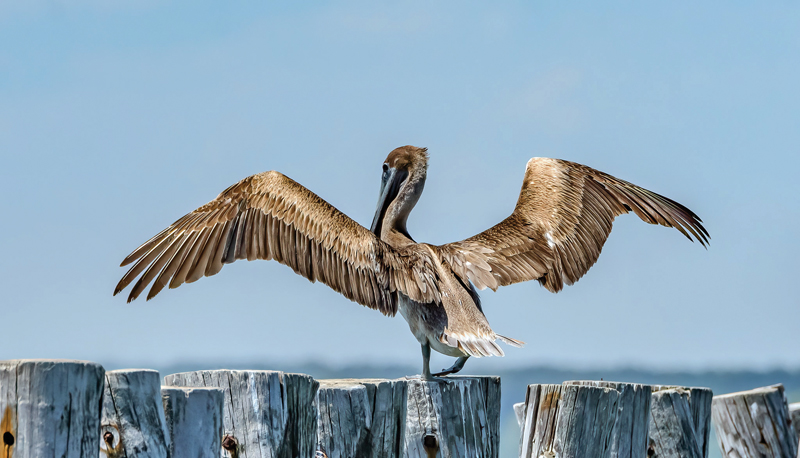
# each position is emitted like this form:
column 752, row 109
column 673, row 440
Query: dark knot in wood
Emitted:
column 108, row 438
column 8, row 438
column 431, row 444
column 230, row 444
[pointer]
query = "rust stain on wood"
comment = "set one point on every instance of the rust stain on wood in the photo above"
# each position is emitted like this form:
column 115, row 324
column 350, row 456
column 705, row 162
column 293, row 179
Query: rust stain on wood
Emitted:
column 550, row 400
column 9, row 435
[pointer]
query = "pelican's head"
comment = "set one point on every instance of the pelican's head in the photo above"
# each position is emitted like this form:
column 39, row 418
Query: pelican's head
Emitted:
column 402, row 181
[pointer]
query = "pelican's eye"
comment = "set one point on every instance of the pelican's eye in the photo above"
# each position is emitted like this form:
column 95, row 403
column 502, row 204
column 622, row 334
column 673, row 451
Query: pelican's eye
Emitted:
column 385, row 171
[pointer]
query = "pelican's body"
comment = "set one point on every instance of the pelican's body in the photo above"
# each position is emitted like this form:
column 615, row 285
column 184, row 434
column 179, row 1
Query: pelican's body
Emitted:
column 558, row 227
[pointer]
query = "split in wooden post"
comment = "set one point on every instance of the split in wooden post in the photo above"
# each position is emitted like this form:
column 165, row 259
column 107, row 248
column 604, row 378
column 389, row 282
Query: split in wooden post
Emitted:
column 133, row 415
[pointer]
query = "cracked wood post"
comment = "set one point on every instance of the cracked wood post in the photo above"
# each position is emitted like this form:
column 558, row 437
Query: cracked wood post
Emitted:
column 50, row 408
column 194, row 420
column 583, row 419
column 132, row 423
column 794, row 414
column 344, row 418
column 672, row 422
column 754, row 423
column 454, row 417
column 267, row 414
column 680, row 421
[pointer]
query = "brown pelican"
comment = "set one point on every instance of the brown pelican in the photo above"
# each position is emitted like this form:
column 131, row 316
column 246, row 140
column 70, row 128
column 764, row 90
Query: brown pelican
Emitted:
column 554, row 235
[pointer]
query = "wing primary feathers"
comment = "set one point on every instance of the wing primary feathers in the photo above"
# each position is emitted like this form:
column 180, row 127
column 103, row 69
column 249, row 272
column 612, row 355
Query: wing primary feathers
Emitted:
column 215, row 264
column 560, row 223
column 229, row 255
column 152, row 271
column 189, row 260
column 141, row 264
column 172, row 265
column 204, row 256
column 269, row 216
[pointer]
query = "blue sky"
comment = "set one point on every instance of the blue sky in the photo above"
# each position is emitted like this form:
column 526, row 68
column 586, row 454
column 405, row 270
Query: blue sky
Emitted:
column 117, row 118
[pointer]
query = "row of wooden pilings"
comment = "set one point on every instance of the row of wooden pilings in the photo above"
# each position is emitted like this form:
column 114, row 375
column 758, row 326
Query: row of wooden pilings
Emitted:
column 56, row 408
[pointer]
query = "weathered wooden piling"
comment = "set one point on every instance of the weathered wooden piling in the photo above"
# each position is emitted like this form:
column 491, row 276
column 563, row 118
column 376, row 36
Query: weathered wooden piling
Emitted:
column 794, row 414
column 454, row 417
column 132, row 423
column 680, row 421
column 50, row 408
column 267, row 414
column 585, row 419
column 672, row 428
column 754, row 423
column 344, row 419
column 194, row 421
column 612, row 419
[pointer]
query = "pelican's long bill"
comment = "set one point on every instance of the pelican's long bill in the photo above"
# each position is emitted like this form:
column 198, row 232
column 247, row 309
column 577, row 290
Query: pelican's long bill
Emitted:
column 391, row 181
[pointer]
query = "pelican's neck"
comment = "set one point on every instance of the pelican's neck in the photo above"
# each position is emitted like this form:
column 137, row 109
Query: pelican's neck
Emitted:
column 393, row 230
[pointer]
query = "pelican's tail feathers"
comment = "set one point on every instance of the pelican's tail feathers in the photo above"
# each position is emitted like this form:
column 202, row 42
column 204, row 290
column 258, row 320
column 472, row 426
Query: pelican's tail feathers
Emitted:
column 510, row 341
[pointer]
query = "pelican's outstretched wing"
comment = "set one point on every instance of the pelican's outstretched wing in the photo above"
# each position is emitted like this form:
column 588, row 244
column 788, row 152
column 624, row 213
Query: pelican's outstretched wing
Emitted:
column 270, row 216
column 559, row 225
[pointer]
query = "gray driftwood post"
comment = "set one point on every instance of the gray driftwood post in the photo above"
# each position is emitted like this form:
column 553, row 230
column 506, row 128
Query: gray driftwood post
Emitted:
column 794, row 414
column 456, row 417
column 132, row 423
column 754, row 423
column 672, row 428
column 680, row 421
column 344, row 419
column 50, row 408
column 194, row 421
column 268, row 414
column 585, row 419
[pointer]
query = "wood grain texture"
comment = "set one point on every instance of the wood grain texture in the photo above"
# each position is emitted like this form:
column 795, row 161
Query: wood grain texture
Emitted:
column 344, row 419
column 463, row 413
column 271, row 414
column 672, row 431
column 194, row 421
column 699, row 403
column 585, row 419
column 50, row 408
column 794, row 414
column 454, row 417
column 519, row 413
column 630, row 430
column 133, row 414
column 754, row 423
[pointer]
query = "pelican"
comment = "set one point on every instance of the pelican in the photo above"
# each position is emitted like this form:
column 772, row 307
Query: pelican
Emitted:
column 554, row 235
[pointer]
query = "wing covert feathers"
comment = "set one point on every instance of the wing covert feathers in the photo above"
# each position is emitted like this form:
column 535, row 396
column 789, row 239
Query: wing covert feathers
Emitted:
column 561, row 221
column 270, row 216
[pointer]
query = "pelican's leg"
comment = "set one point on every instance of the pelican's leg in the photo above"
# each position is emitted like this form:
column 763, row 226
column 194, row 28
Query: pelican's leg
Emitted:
column 454, row 368
column 426, row 362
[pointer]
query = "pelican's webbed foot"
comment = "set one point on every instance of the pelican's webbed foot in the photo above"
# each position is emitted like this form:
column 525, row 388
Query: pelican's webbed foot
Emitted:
column 454, row 368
